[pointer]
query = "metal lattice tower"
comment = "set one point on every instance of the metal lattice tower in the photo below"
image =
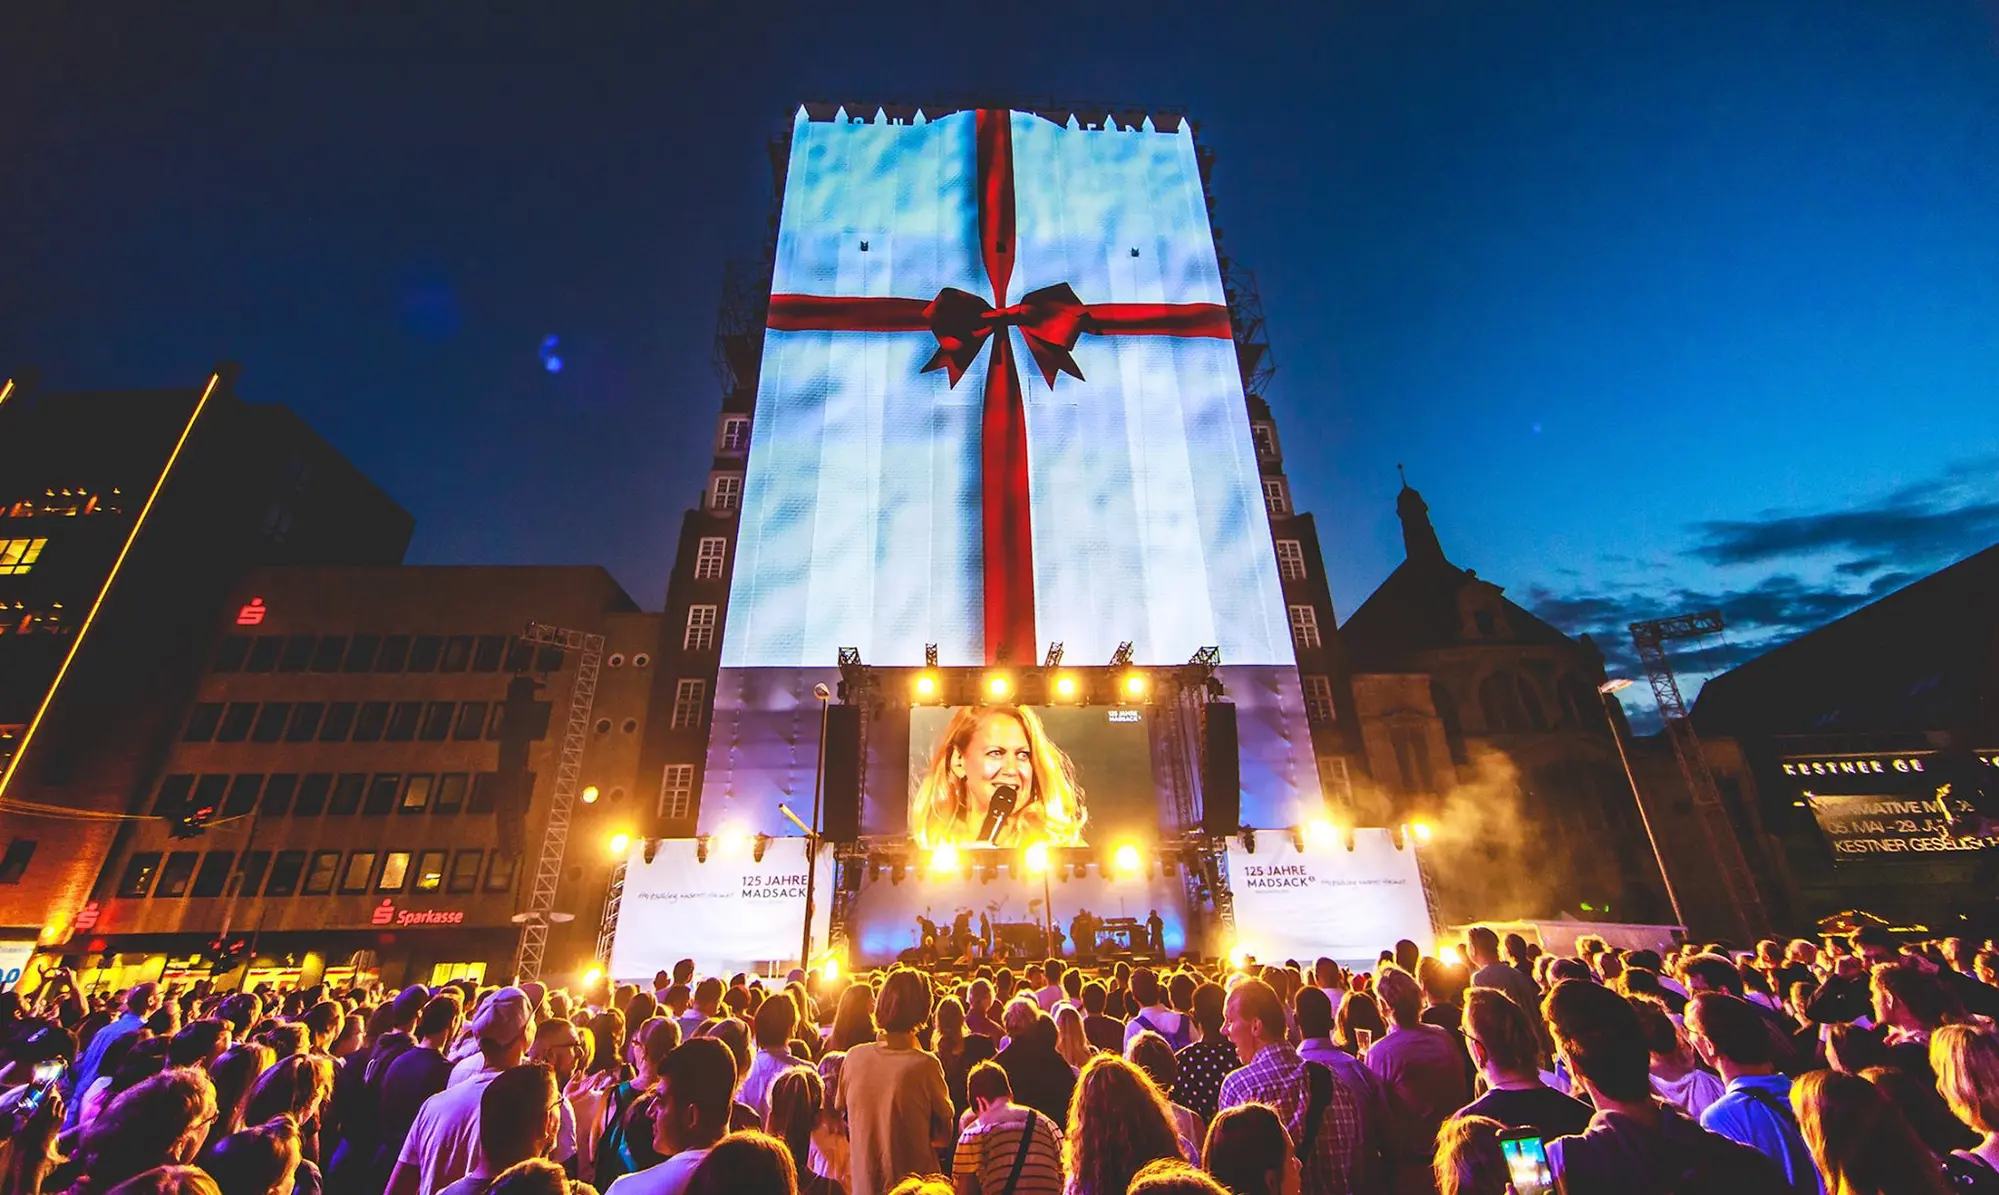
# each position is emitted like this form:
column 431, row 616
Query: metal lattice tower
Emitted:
column 589, row 651
column 1651, row 638
column 607, row 927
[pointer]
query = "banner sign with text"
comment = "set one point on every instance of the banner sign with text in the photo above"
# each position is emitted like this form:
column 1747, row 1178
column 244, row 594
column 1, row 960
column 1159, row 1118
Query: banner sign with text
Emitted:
column 712, row 900
column 1892, row 828
column 1326, row 900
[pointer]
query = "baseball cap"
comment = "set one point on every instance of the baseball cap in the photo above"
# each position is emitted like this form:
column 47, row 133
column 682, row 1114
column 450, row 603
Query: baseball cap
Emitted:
column 503, row 1018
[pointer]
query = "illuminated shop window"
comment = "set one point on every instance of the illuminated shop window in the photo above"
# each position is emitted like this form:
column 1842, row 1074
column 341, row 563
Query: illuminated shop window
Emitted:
column 19, row 555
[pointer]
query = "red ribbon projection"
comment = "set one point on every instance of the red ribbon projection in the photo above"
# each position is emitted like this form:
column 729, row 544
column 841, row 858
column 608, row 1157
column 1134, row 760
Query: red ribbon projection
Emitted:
column 1051, row 319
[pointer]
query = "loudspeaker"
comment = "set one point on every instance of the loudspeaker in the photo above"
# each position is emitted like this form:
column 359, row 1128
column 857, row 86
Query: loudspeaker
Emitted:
column 1221, row 771
column 840, row 813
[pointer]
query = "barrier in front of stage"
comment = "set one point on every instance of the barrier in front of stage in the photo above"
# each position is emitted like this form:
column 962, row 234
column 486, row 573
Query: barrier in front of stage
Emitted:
column 1300, row 897
column 712, row 900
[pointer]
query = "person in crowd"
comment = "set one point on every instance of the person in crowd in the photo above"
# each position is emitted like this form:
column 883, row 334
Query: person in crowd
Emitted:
column 1482, row 947
column 557, row 1047
column 1423, row 1069
column 748, row 1162
column 735, row 1034
column 412, row 1077
column 1103, row 1032
column 233, row 1073
column 1153, row 1013
column 775, row 1021
column 199, row 1043
column 1859, row 1142
column 1676, row 1073
column 690, row 1111
column 1171, row 1176
column 295, row 1087
column 1443, row 1005
column 1203, row 1065
column 707, row 1007
column 1248, row 1152
column 1501, row 1037
column 1150, row 1053
column 519, row 1118
column 323, row 1023
column 258, row 1160
column 1041, row 1079
column 162, row 1121
column 923, row 1184
column 140, row 1003
column 169, row 1180
column 1357, row 1025
column 854, row 1018
column 797, row 1100
column 537, row 1176
column 28, row 1152
column 832, row 1148
column 443, row 1142
column 1050, row 994
column 1324, row 1116
column 958, row 1050
column 1118, row 1122
column 621, row 1141
column 1070, row 1042
column 1004, row 1147
column 1756, row 1107
column 1909, row 1006
column 357, row 1086
column 607, row 1033
column 979, row 1009
column 1468, row 1159
column 1966, row 1061
column 893, row 1092
column 1635, row 1144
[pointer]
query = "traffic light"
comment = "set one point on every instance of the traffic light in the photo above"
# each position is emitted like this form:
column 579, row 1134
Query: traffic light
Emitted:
column 191, row 819
column 226, row 952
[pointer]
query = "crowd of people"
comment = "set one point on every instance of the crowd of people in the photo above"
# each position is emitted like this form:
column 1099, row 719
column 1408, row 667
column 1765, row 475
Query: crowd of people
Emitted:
column 1846, row 1066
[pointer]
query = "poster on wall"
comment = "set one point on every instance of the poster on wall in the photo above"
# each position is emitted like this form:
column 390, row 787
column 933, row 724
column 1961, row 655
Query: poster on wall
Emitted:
column 1326, row 900
column 720, row 905
column 14, row 956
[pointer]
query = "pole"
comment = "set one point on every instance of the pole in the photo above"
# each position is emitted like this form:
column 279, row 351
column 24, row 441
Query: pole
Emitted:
column 1644, row 819
column 1048, row 910
column 812, row 839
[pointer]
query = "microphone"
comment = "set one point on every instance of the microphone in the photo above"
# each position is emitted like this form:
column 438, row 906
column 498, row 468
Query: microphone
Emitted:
column 1000, row 809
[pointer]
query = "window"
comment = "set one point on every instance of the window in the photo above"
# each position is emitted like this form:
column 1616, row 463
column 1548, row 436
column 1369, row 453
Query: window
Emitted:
column 252, row 872
column 176, row 875
column 202, row 722
column 139, row 872
column 324, row 870
column 14, row 863
column 471, row 721
column 436, row 722
column 297, row 655
column 457, row 654
column 286, row 869
column 430, row 871
column 1304, row 626
column 382, row 794
column 346, row 798
column 372, row 720
column 19, row 555
column 403, row 721
column 278, row 793
column 464, row 870
column 1499, row 702
column 354, row 878
column 424, row 653
column 231, row 652
column 173, row 794
column 1291, row 560
column 485, row 786
column 689, row 696
column 1319, row 700
column 1335, row 780
column 416, row 793
column 312, row 793
column 1276, row 499
column 394, row 653
column 1264, row 436
column 236, row 722
column 1413, row 758
column 264, row 653
column 243, row 793
column 306, row 716
column 328, row 655
column 450, row 796
column 361, row 652
column 500, row 873
column 271, row 719
column 676, row 791
column 339, row 722
column 208, row 794
column 700, row 628
column 213, row 877
column 735, row 433
column 487, row 655
column 395, row 872
column 709, row 557
column 725, row 493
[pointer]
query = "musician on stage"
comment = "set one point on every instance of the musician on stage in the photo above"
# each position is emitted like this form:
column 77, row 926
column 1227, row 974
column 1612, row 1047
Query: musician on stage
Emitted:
column 1004, row 751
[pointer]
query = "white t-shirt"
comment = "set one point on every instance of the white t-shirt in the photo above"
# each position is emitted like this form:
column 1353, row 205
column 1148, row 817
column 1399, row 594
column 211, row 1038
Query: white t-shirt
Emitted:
column 1049, row 997
column 443, row 1143
column 668, row 1178
column 465, row 1068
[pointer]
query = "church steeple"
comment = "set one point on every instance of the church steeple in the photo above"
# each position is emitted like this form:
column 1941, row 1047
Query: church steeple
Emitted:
column 1419, row 539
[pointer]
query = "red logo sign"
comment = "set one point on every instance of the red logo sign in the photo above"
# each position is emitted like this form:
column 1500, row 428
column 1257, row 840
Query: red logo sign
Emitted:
column 88, row 916
column 252, row 613
column 386, row 913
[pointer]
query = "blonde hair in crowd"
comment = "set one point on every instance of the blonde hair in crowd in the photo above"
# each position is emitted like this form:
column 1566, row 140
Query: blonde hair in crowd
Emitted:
column 939, row 810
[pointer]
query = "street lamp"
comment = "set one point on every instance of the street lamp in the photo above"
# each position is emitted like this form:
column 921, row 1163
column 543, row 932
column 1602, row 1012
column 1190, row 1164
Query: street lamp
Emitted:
column 1603, row 692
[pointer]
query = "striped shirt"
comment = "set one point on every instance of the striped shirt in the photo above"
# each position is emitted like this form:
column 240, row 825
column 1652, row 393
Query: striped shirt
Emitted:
column 987, row 1149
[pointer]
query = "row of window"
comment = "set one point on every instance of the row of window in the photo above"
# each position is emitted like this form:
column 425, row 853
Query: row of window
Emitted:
column 19, row 555
column 376, row 653
column 67, row 502
column 353, row 721
column 340, row 794
column 19, row 618
column 314, row 873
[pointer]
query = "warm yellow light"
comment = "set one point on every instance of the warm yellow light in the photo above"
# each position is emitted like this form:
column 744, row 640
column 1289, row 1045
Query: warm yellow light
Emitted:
column 1238, row 956
column 997, row 687
column 832, row 969
column 1421, row 830
column 1321, row 830
column 944, row 858
column 1065, row 686
column 620, row 843
column 1450, row 957
column 592, row 975
column 1134, row 685
column 1125, row 858
column 732, row 837
column 589, row 794
column 926, row 685
column 1037, row 858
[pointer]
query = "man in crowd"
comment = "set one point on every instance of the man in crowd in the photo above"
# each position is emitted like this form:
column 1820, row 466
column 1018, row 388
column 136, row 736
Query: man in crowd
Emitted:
column 696, row 1088
column 357, row 1089
column 413, row 1077
column 443, row 1143
column 707, row 1007
column 557, row 1047
column 1038, row 1076
column 1756, row 1108
column 1423, row 1070
column 140, row 1003
column 1488, row 972
column 1153, row 1014
column 1051, row 993
column 1325, row 1116
column 1103, row 1032
column 517, row 1121
column 1005, row 1149
column 1502, row 1040
column 776, row 1019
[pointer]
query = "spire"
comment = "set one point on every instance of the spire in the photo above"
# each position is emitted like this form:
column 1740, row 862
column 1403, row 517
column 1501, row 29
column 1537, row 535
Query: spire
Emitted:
column 1419, row 539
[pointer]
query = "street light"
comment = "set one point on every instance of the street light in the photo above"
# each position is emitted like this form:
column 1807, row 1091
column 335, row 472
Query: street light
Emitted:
column 1603, row 692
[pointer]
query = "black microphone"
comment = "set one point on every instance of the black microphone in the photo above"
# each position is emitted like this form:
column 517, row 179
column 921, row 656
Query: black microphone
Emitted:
column 997, row 811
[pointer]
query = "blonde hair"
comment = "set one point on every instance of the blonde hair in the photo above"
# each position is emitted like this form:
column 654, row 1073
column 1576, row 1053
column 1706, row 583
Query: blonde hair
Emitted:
column 940, row 811
column 1966, row 1060
column 1070, row 1041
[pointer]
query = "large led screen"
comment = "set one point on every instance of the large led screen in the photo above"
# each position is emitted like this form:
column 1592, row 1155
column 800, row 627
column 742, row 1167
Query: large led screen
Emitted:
column 1076, row 775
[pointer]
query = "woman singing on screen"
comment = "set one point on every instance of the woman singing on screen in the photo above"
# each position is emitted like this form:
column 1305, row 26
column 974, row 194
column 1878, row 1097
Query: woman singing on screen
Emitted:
column 982, row 749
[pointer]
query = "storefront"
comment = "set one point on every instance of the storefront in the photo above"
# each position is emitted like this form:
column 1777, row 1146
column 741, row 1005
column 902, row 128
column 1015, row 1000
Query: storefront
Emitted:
column 337, row 958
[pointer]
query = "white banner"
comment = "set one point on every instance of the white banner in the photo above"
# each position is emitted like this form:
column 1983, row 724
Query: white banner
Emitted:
column 1326, row 900
column 14, row 956
column 730, row 912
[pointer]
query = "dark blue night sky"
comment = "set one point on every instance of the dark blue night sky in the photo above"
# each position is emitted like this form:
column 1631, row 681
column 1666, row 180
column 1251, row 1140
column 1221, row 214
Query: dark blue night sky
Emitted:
column 1664, row 304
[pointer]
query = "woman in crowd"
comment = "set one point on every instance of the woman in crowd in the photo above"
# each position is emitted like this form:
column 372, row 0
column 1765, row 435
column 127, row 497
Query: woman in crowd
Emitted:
column 854, row 1020
column 296, row 1087
column 623, row 1136
column 893, row 1092
column 1249, row 1152
column 1966, row 1060
column 259, row 1160
column 1150, row 1053
column 1118, row 1122
column 233, row 1074
column 1070, row 1042
column 831, row 1155
column 958, row 1050
column 746, row 1162
column 1170, row 1176
column 1468, row 1160
column 1859, row 1142
column 979, row 1010
column 797, row 1099
column 1677, row 1076
column 169, row 1180
column 160, row 1122
column 1358, row 1015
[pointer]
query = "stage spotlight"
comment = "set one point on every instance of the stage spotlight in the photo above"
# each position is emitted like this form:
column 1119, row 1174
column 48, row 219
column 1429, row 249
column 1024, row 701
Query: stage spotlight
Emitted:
column 1037, row 858
column 930, row 655
column 589, row 794
column 620, row 843
column 1134, row 685
column 998, row 686
column 926, row 686
column 1065, row 687
column 1320, row 830
column 944, row 858
column 592, row 975
column 1421, row 831
column 1238, row 956
column 1297, row 834
column 832, row 971
column 652, row 848
column 898, row 874
column 701, row 848
column 1449, row 956
column 732, row 838
column 1126, row 859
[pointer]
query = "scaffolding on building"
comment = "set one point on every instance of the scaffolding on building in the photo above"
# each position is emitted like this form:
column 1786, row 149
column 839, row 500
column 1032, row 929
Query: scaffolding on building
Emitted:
column 589, row 652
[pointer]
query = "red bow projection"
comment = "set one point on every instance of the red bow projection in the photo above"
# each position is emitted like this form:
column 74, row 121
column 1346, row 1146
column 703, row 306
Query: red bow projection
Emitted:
column 1051, row 320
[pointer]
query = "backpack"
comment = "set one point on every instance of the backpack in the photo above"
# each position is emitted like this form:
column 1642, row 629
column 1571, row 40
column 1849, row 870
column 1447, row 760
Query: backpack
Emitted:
column 1179, row 1039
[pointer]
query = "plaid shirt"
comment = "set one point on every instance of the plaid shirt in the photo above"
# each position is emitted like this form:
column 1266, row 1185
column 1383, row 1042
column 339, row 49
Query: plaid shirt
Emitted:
column 1277, row 1076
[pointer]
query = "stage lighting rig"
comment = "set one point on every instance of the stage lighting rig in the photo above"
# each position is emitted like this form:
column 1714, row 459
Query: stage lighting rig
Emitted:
column 930, row 655
column 1066, row 688
column 1054, row 657
column 1121, row 658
